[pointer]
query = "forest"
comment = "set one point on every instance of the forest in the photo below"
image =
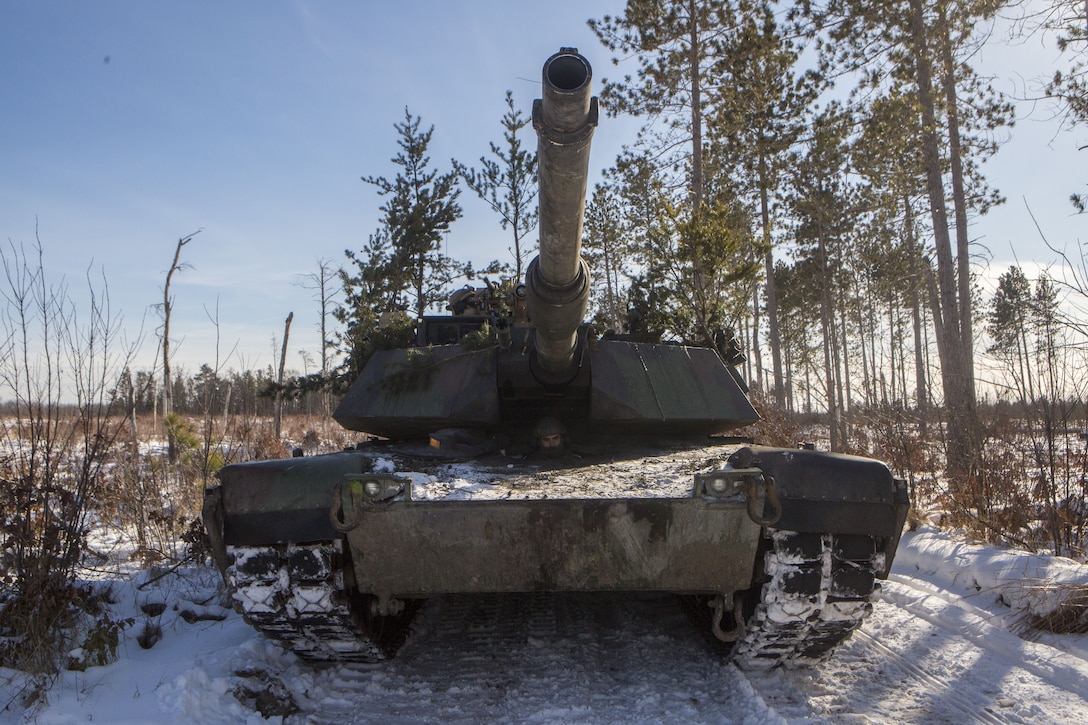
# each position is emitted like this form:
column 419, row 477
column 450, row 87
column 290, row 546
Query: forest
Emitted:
column 804, row 182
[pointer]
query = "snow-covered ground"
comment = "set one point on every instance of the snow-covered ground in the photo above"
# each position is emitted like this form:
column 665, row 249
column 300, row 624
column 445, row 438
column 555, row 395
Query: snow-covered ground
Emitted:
column 945, row 644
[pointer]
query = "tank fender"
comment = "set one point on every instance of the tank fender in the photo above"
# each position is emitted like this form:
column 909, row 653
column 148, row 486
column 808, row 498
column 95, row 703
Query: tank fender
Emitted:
column 212, row 516
column 260, row 503
column 832, row 493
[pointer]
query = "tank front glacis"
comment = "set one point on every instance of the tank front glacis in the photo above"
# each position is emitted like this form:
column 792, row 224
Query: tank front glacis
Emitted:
column 520, row 452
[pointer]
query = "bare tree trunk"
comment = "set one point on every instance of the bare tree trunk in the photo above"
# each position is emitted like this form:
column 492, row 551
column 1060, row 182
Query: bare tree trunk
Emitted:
column 757, row 356
column 876, row 349
column 891, row 346
column 827, row 324
column 921, row 383
column 694, row 49
column 167, row 380
column 833, row 412
column 131, row 403
column 865, row 380
column 842, row 368
column 321, row 282
column 963, row 431
column 324, row 292
column 774, row 337
column 226, row 401
column 921, row 399
column 959, row 197
column 808, row 389
column 697, row 191
column 278, row 413
column 901, row 350
column 746, row 341
column 791, row 399
column 933, row 294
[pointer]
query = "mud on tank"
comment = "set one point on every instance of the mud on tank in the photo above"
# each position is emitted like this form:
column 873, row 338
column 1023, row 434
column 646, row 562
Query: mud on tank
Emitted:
column 549, row 460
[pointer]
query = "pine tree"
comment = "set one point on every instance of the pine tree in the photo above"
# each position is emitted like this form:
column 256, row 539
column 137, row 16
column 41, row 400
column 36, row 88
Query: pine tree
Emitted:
column 1008, row 322
column 508, row 183
column 1068, row 19
column 759, row 116
column 677, row 45
column 886, row 156
column 643, row 198
column 801, row 343
column 369, row 293
column 606, row 251
column 822, row 206
column 710, row 265
column 918, row 44
column 421, row 206
column 402, row 265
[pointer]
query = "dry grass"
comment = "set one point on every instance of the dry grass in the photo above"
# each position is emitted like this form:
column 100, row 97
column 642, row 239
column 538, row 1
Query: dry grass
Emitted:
column 134, row 488
column 1069, row 617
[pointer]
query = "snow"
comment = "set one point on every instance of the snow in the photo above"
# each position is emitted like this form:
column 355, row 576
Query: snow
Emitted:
column 947, row 643
column 1034, row 583
column 655, row 475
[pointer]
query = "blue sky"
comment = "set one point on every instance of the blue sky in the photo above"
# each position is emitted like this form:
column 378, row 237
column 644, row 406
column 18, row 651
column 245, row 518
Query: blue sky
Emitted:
column 126, row 125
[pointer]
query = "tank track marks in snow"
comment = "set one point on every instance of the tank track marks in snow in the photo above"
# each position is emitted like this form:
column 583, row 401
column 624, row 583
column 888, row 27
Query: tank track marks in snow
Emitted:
column 819, row 588
column 295, row 594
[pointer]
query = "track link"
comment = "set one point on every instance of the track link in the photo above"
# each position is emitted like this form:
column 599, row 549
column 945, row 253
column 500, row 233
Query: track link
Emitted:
column 295, row 594
column 819, row 588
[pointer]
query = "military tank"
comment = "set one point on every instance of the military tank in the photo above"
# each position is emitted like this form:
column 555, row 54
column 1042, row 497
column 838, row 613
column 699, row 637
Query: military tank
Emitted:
column 512, row 450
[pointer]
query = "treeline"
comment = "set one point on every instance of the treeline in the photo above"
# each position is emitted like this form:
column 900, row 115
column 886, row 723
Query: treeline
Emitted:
column 231, row 393
column 77, row 454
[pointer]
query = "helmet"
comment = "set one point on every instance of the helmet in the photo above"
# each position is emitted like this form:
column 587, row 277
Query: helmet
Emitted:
column 549, row 435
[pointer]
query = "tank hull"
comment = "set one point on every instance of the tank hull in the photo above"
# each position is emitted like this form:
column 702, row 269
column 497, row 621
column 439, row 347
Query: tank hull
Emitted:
column 701, row 521
column 418, row 549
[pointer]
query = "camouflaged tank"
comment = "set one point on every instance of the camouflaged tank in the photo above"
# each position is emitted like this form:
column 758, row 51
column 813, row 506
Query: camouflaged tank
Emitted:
column 510, row 450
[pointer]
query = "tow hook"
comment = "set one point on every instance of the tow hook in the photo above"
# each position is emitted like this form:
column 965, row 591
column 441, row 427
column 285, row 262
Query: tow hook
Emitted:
column 720, row 603
column 365, row 491
column 772, row 499
column 729, row 482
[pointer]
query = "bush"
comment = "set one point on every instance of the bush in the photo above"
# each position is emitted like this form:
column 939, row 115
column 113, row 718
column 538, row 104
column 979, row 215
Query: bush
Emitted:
column 58, row 367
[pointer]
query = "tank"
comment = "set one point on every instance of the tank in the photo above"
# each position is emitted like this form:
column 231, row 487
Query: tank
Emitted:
column 513, row 450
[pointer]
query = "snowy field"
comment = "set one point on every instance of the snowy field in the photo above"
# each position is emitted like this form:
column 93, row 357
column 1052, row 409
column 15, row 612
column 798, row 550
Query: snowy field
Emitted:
column 946, row 644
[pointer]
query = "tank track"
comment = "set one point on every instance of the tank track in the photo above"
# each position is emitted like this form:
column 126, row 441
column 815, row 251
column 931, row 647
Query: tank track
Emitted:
column 295, row 594
column 818, row 588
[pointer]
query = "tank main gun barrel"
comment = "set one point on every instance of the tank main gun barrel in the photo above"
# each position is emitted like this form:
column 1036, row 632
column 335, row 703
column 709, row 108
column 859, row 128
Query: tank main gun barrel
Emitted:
column 557, row 281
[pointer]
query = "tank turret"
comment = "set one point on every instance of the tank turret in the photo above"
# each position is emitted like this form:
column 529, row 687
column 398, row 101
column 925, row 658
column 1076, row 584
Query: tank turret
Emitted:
column 546, row 363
